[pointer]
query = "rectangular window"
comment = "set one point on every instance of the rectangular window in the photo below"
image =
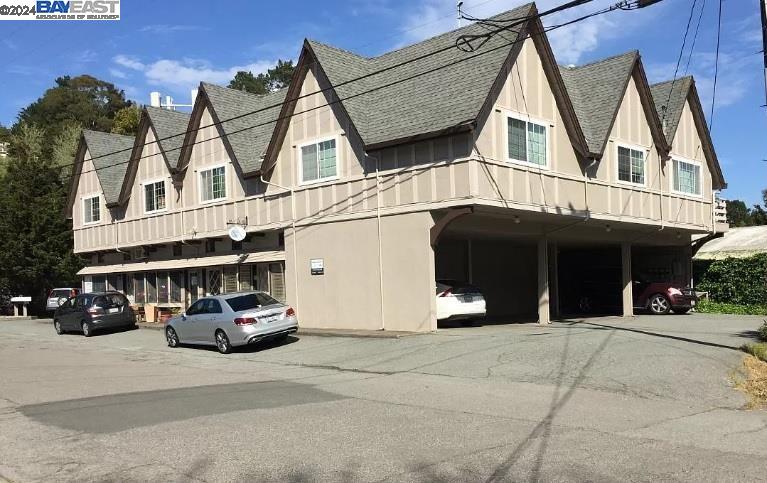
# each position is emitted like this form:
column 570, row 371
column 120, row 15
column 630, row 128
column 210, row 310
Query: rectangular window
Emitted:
column 177, row 249
column 138, row 287
column 176, row 280
column 527, row 142
column 630, row 165
column 154, row 197
column 213, row 184
column 318, row 161
column 99, row 283
column 92, row 209
column 687, row 177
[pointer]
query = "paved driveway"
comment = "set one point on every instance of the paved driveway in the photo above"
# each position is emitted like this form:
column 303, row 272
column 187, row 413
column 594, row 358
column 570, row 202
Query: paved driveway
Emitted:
column 601, row 399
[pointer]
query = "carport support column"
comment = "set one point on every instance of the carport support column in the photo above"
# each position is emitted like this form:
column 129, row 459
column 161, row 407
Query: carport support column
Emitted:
column 544, row 314
column 628, row 297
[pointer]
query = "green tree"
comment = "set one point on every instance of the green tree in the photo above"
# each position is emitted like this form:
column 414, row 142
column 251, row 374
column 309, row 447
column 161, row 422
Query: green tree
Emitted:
column 84, row 99
column 738, row 213
column 5, row 134
column 246, row 81
column 35, row 239
column 126, row 120
column 758, row 215
column 275, row 78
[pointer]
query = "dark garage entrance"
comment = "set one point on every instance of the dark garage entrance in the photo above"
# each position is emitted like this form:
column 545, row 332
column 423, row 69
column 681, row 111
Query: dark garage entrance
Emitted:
column 504, row 270
column 590, row 280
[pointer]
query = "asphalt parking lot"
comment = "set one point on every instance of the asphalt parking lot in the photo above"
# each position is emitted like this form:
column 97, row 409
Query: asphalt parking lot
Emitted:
column 601, row 399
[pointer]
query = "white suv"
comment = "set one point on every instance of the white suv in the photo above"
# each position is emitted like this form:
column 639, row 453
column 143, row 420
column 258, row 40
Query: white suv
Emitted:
column 459, row 301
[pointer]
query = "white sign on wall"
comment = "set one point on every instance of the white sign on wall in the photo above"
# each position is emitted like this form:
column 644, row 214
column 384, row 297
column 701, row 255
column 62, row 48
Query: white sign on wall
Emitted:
column 317, row 266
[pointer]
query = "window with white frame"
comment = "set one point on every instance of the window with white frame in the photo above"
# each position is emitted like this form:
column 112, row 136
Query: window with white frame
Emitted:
column 527, row 142
column 213, row 184
column 631, row 165
column 318, row 161
column 687, row 177
column 92, row 209
column 154, row 196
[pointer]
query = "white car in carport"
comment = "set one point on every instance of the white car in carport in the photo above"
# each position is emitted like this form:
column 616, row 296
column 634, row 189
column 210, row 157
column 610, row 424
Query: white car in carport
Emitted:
column 459, row 301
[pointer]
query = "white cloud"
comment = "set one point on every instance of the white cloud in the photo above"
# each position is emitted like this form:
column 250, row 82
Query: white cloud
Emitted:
column 570, row 43
column 128, row 62
column 186, row 73
column 169, row 29
column 86, row 56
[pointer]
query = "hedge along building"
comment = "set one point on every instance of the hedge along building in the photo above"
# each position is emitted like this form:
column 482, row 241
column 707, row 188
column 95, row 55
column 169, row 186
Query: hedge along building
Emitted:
column 368, row 178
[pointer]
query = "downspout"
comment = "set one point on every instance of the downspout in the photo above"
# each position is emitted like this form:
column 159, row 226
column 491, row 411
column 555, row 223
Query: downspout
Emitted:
column 293, row 228
column 380, row 247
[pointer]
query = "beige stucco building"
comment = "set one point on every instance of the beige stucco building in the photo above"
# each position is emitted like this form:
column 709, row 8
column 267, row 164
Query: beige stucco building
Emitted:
column 531, row 180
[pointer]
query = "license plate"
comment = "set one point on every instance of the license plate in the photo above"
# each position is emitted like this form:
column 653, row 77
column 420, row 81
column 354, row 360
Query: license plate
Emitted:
column 269, row 319
column 114, row 310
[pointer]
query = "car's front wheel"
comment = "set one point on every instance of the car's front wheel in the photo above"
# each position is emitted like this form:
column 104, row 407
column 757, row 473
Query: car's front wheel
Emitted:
column 57, row 326
column 659, row 304
column 222, row 342
column 171, row 337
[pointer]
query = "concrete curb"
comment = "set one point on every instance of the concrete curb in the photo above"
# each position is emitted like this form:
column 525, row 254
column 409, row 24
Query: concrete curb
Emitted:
column 10, row 318
column 362, row 334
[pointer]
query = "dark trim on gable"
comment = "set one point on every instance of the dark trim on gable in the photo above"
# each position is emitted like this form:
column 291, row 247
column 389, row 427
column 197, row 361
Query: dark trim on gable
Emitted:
column 135, row 159
column 648, row 103
column 708, row 145
column 74, row 182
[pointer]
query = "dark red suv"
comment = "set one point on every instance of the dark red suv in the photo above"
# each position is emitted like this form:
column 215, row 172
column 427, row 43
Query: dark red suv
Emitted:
column 662, row 297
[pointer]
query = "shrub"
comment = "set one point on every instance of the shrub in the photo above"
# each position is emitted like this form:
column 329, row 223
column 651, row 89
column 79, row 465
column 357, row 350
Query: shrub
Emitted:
column 758, row 350
column 741, row 281
column 709, row 307
column 763, row 331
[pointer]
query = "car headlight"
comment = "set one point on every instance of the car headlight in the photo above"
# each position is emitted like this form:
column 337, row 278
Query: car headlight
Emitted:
column 674, row 291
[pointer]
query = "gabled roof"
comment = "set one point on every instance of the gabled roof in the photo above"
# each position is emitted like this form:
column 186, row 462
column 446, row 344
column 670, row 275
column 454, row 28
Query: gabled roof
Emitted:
column 169, row 127
column 245, row 120
column 684, row 90
column 596, row 91
column 671, row 101
column 110, row 154
column 437, row 93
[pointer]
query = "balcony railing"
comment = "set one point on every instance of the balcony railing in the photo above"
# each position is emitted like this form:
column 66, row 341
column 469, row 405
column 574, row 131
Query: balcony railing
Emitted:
column 720, row 212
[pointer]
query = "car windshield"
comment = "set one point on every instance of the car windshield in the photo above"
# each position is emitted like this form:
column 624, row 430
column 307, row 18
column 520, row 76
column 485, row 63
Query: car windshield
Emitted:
column 250, row 301
column 456, row 287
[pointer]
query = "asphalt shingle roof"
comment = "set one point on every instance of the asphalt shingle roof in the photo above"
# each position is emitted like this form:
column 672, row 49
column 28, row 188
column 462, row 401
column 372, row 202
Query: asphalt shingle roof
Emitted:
column 110, row 155
column 674, row 102
column 169, row 123
column 596, row 91
column 426, row 100
column 248, row 136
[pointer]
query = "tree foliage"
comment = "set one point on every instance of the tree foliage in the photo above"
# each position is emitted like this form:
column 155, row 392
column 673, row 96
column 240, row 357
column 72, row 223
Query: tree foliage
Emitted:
column 738, row 214
column 274, row 79
column 36, row 242
column 126, row 121
column 84, row 99
column 739, row 281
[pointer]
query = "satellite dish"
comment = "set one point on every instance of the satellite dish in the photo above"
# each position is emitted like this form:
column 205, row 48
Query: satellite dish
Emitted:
column 237, row 233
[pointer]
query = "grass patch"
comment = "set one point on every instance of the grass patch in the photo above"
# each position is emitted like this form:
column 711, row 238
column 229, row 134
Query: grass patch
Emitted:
column 758, row 350
column 755, row 383
column 708, row 307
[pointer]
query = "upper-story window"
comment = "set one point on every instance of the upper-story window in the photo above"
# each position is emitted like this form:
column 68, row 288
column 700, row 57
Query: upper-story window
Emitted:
column 686, row 177
column 154, row 196
column 527, row 142
column 318, row 161
column 92, row 209
column 213, row 184
column 631, row 165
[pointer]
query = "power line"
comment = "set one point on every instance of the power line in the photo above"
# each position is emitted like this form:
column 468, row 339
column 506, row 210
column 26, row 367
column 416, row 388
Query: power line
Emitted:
column 678, row 60
column 694, row 37
column 373, row 73
column 338, row 100
column 716, row 67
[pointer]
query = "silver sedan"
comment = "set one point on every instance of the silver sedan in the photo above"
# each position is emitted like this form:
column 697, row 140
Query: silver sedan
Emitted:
column 232, row 320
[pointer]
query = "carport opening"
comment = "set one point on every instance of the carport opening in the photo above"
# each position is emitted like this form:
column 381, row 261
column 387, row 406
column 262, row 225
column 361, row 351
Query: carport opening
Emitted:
column 505, row 272
column 590, row 281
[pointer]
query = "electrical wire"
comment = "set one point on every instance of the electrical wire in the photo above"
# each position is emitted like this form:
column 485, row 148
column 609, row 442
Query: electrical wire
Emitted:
column 694, row 37
column 716, row 67
column 336, row 101
column 678, row 60
column 341, row 84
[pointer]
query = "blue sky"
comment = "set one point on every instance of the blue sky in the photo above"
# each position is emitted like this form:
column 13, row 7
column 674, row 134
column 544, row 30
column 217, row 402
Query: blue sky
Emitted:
column 171, row 45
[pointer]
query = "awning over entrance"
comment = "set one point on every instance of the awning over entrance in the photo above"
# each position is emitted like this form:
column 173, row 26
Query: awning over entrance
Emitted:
column 183, row 263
